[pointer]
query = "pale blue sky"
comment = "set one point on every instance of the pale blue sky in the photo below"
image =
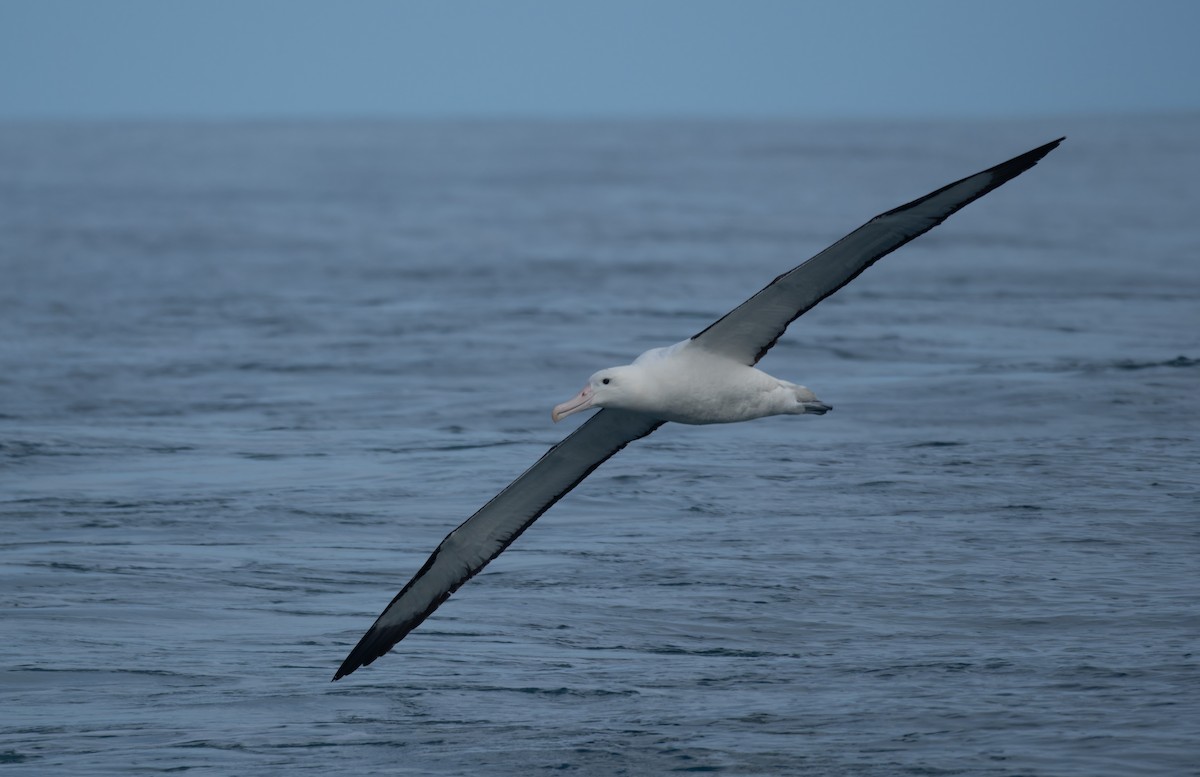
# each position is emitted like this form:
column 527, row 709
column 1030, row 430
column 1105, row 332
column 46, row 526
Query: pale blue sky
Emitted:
column 831, row 58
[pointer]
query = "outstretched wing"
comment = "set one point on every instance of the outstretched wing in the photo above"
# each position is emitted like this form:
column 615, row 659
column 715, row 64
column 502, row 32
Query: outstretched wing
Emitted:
column 748, row 331
column 484, row 535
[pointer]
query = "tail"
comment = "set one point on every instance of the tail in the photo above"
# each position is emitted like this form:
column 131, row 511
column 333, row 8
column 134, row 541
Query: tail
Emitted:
column 807, row 401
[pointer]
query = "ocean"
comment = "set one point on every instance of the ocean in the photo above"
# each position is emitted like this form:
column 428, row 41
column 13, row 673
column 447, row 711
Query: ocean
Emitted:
column 252, row 373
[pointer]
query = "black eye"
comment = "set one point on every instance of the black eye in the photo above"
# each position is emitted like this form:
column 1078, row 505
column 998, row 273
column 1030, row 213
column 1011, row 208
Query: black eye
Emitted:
column 606, row 381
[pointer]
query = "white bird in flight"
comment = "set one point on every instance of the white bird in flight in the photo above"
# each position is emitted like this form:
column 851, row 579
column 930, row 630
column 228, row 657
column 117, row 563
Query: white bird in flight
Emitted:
column 707, row 379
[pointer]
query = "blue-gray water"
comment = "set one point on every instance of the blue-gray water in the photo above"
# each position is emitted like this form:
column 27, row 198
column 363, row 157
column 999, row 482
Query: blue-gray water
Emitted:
column 250, row 375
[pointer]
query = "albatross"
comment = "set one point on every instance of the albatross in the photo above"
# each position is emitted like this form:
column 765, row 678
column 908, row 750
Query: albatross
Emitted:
column 710, row 378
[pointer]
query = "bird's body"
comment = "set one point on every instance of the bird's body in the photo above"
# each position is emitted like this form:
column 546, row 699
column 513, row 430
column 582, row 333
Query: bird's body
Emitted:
column 690, row 384
column 710, row 378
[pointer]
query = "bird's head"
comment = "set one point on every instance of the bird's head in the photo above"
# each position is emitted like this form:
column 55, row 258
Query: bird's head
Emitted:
column 613, row 387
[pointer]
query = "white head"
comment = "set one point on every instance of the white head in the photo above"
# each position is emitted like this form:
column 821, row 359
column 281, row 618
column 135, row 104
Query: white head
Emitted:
column 613, row 387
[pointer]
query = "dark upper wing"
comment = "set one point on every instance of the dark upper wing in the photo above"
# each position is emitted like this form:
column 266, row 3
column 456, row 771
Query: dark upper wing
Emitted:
column 483, row 536
column 749, row 330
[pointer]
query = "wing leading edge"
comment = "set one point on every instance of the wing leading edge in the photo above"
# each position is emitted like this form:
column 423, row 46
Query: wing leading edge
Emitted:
column 484, row 535
column 748, row 331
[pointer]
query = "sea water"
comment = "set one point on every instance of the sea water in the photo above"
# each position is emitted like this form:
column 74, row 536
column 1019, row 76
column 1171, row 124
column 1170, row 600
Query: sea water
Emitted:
column 251, row 374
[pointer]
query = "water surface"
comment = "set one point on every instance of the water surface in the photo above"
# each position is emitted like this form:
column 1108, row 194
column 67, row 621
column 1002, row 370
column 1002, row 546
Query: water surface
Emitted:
column 252, row 374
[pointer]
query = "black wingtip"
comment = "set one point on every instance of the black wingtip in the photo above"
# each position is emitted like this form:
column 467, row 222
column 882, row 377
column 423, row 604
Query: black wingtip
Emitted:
column 1019, row 164
column 346, row 668
column 1031, row 158
column 1000, row 175
column 1006, row 171
column 369, row 648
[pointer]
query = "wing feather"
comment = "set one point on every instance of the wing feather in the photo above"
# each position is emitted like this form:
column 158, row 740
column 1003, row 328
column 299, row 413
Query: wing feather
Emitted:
column 484, row 535
column 748, row 331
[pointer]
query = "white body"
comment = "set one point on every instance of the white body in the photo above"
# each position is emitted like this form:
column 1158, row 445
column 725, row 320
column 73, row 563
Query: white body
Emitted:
column 689, row 384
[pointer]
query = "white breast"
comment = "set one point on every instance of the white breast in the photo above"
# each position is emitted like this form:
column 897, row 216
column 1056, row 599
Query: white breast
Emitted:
column 691, row 385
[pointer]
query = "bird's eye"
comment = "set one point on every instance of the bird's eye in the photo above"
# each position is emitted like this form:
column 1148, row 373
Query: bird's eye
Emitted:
column 606, row 381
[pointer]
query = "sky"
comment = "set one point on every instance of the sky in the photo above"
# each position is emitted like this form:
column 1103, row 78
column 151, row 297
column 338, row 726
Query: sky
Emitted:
column 216, row 59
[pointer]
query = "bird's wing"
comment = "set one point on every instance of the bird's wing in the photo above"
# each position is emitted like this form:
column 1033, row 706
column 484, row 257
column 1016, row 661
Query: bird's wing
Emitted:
column 748, row 331
column 483, row 536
